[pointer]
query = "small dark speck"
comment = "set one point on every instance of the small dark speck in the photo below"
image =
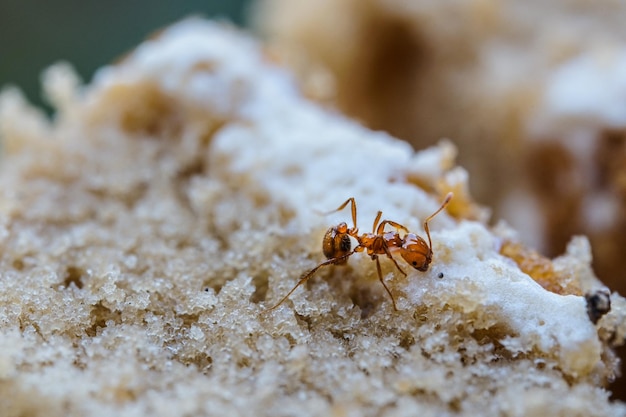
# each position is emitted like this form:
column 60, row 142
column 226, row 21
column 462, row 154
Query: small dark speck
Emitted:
column 598, row 304
column 440, row 275
column 206, row 289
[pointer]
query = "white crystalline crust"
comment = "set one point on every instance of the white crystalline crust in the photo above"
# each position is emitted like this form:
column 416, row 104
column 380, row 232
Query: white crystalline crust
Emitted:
column 144, row 232
column 538, row 86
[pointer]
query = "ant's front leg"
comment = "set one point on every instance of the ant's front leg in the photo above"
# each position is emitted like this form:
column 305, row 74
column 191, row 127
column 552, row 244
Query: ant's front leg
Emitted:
column 380, row 277
column 394, row 261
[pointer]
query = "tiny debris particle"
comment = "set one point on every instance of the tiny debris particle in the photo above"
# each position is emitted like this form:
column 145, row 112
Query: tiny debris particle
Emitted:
column 598, row 304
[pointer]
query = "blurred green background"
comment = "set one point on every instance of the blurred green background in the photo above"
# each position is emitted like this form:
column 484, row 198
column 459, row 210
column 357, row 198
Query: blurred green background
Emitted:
column 89, row 34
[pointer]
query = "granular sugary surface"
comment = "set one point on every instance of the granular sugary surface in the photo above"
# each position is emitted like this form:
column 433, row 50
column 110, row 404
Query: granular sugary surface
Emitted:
column 147, row 228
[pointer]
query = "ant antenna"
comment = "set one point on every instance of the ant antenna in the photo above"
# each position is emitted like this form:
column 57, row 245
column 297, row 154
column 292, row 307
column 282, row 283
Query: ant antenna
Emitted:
column 429, row 218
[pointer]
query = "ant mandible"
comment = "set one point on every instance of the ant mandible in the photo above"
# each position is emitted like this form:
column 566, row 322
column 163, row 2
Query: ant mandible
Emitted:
column 336, row 245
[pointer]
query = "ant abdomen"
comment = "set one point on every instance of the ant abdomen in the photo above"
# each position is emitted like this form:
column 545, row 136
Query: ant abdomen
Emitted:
column 336, row 243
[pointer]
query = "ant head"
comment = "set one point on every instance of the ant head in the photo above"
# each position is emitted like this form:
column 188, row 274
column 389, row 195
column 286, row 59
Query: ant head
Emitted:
column 416, row 252
column 336, row 242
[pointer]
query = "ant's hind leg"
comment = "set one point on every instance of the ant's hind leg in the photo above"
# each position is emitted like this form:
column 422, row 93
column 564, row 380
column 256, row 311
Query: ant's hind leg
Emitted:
column 380, row 277
column 376, row 220
column 308, row 275
column 341, row 207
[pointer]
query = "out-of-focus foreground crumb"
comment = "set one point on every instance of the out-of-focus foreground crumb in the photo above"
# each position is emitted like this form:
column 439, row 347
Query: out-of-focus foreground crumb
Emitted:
column 540, row 85
column 147, row 228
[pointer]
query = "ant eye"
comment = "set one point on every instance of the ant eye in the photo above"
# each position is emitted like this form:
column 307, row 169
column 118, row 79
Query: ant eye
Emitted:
column 414, row 263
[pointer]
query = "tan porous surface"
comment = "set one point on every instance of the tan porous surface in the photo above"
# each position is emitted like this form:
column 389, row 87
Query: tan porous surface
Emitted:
column 145, row 230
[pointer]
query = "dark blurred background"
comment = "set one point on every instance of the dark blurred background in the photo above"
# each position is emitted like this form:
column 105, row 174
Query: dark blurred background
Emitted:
column 89, row 34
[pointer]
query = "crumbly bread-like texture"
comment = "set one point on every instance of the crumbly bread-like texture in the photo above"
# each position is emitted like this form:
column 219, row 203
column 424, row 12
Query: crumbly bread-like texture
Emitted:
column 147, row 228
column 539, row 85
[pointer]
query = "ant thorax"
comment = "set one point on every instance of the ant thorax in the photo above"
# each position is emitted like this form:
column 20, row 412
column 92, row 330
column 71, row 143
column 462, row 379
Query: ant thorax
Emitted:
column 393, row 240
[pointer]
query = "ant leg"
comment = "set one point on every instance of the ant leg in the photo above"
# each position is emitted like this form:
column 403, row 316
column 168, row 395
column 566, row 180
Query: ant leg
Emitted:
column 376, row 220
column 398, row 226
column 341, row 207
column 380, row 277
column 394, row 261
column 429, row 218
column 308, row 275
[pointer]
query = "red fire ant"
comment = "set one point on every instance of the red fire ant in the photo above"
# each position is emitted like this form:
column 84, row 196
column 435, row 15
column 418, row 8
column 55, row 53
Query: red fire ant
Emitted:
column 412, row 248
